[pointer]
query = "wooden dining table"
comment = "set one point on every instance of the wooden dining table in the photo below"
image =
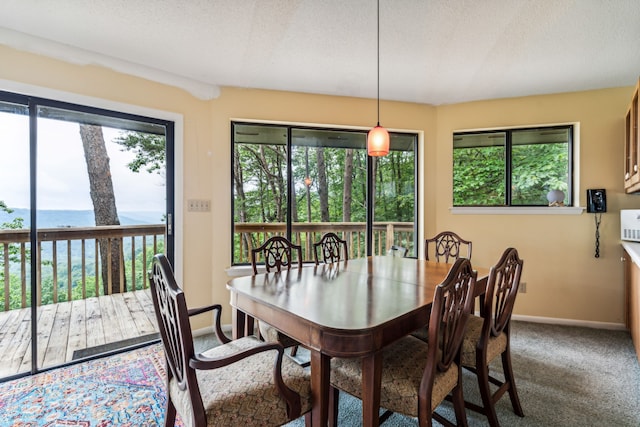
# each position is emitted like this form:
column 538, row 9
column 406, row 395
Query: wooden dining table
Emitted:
column 353, row 308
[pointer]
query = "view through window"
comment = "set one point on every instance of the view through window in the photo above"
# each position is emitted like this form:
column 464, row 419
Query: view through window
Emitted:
column 302, row 182
column 84, row 200
column 512, row 167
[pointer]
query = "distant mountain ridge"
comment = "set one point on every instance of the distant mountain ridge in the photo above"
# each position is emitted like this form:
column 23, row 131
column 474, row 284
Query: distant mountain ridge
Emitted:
column 78, row 218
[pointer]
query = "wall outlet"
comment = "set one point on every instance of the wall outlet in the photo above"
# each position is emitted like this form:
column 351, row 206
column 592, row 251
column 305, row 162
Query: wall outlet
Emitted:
column 523, row 287
column 198, row 205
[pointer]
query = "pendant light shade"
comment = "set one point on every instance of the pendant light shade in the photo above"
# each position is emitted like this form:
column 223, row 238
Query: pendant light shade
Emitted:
column 378, row 137
column 378, row 141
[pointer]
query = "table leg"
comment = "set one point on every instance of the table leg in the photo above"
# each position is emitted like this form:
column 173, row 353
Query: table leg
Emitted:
column 238, row 319
column 320, row 376
column 371, row 379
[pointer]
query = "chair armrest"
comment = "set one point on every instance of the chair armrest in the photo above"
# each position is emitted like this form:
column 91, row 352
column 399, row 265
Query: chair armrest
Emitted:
column 217, row 327
column 291, row 397
column 200, row 310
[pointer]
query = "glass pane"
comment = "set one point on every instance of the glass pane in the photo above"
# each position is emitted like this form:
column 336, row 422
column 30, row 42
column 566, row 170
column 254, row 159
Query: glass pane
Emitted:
column 540, row 163
column 259, row 187
column 96, row 171
column 395, row 196
column 15, row 248
column 479, row 169
column 329, row 174
column 328, row 189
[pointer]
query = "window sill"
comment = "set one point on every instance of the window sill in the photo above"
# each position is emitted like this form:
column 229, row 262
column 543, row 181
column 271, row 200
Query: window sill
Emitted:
column 511, row 210
column 241, row 270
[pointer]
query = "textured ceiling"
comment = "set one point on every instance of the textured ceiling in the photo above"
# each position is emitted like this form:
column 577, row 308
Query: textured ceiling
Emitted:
column 431, row 51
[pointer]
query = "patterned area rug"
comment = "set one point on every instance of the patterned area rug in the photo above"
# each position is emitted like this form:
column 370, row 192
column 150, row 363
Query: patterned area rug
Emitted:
column 124, row 390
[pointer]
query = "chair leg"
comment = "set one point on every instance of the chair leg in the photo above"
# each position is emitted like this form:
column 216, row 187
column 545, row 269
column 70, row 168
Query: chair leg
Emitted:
column 334, row 396
column 170, row 414
column 510, row 379
column 307, row 419
column 458, row 404
column 482, row 372
column 294, row 351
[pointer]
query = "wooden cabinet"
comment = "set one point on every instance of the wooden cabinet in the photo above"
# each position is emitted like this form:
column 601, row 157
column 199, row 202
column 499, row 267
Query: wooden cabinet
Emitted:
column 632, row 300
column 632, row 146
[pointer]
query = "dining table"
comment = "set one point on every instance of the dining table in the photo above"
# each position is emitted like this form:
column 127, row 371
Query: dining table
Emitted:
column 352, row 308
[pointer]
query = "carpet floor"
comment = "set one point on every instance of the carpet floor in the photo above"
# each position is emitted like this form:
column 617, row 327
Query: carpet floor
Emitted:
column 125, row 390
column 566, row 376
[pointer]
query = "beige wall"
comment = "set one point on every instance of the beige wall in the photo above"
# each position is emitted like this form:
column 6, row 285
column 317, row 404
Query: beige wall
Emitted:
column 563, row 278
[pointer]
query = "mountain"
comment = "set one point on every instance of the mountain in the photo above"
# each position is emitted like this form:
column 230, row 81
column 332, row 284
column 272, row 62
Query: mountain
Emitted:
column 78, row 218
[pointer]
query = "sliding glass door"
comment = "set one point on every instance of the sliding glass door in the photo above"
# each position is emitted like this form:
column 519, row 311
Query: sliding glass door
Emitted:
column 91, row 210
column 15, row 248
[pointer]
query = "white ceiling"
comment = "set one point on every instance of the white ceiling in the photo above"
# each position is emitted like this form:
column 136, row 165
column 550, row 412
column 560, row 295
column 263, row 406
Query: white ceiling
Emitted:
column 431, row 51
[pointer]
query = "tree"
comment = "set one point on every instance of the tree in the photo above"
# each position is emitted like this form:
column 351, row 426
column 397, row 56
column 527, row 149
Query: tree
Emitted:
column 149, row 150
column 104, row 203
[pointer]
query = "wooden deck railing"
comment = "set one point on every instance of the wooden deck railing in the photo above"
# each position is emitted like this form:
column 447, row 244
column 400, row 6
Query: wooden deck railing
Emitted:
column 71, row 258
column 69, row 265
column 385, row 234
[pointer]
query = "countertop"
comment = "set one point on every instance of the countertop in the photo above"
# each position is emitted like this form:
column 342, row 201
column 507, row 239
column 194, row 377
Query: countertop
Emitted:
column 633, row 249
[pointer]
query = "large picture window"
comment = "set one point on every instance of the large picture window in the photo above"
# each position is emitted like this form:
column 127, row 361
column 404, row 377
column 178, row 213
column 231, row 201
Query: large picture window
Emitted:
column 302, row 182
column 512, row 167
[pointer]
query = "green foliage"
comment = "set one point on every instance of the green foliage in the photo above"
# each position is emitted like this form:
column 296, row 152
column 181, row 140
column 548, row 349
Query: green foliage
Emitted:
column 149, row 150
column 479, row 174
column 260, row 185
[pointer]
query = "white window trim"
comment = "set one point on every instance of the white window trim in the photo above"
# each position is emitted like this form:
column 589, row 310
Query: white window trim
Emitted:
column 516, row 210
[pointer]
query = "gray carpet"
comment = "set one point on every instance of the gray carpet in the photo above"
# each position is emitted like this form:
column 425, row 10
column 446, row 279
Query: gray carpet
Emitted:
column 566, row 376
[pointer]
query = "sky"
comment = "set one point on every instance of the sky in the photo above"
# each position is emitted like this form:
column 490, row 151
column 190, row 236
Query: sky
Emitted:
column 62, row 171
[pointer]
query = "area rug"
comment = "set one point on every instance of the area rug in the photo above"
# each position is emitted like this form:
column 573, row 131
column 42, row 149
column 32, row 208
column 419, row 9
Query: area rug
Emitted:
column 124, row 390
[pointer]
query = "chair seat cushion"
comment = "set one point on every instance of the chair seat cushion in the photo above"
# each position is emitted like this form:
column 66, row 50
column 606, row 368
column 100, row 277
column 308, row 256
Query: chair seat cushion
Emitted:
column 403, row 364
column 471, row 336
column 243, row 393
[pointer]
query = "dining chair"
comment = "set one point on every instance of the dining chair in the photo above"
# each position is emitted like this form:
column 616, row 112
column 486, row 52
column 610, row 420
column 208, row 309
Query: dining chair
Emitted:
column 240, row 382
column 447, row 246
column 397, row 251
column 488, row 336
column 277, row 252
column 416, row 376
column 332, row 248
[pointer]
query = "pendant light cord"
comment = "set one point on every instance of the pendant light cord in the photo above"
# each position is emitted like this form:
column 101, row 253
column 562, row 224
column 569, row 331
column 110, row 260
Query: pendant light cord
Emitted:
column 378, row 30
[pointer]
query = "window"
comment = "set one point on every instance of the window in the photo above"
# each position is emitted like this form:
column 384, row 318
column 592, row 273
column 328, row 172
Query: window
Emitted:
column 301, row 182
column 512, row 167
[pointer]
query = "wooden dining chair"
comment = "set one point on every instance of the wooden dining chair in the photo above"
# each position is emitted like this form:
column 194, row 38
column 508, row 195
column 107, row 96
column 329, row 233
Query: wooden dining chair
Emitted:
column 447, row 247
column 240, row 382
column 278, row 253
column 332, row 249
column 416, row 376
column 397, row 251
column 488, row 336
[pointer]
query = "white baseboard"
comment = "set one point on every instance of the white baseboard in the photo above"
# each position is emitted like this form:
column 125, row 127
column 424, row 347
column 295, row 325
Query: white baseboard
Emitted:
column 570, row 322
column 209, row 330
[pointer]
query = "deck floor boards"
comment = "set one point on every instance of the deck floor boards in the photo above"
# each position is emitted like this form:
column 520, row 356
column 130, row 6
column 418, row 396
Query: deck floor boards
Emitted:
column 66, row 327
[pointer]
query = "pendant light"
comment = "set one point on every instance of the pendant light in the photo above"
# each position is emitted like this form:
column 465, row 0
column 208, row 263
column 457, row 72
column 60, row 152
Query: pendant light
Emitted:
column 378, row 137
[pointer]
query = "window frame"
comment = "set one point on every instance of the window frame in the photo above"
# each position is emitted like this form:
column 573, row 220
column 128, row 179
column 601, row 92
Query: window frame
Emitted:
column 291, row 127
column 508, row 206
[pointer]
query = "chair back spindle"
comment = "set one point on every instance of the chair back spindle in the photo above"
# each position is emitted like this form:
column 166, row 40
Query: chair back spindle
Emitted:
column 332, row 249
column 278, row 254
column 447, row 246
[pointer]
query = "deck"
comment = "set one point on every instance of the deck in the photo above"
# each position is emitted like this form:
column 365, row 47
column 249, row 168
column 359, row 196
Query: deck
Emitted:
column 66, row 327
